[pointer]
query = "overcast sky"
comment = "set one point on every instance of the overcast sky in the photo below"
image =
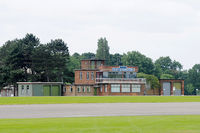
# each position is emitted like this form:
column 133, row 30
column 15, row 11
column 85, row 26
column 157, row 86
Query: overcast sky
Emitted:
column 153, row 27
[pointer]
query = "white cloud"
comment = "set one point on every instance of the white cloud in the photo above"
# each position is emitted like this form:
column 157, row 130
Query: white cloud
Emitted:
column 155, row 28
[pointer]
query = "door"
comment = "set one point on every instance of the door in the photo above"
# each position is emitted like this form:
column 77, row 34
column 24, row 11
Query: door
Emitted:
column 47, row 90
column 166, row 88
column 55, row 90
column 177, row 89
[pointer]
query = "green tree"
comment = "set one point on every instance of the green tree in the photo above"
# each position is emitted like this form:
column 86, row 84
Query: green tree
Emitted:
column 115, row 59
column 166, row 76
column 135, row 58
column 189, row 89
column 74, row 62
column 59, row 59
column 103, row 50
column 151, row 79
column 194, row 76
column 88, row 55
column 169, row 67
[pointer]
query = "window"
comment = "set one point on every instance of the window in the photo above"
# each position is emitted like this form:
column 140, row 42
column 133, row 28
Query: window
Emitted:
column 88, row 89
column 106, row 89
column 22, row 91
column 80, row 75
column 115, row 87
column 126, row 88
column 93, row 65
column 79, row 89
column 135, row 88
column 83, row 88
column 64, row 89
column 101, row 88
column 88, row 76
column 22, row 87
column 92, row 75
column 71, row 89
column 27, row 87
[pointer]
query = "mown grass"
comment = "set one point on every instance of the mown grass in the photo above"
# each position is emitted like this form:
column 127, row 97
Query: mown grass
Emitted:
column 97, row 99
column 117, row 124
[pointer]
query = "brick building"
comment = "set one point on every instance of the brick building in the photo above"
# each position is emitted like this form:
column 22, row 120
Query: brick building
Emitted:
column 95, row 78
column 172, row 87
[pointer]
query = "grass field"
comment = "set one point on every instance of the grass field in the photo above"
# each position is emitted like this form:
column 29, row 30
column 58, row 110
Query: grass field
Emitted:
column 119, row 124
column 97, row 99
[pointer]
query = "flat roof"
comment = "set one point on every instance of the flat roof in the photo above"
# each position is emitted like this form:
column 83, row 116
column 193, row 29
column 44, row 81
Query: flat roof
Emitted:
column 39, row 82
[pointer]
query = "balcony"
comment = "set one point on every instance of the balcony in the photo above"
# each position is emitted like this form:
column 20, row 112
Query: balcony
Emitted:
column 121, row 80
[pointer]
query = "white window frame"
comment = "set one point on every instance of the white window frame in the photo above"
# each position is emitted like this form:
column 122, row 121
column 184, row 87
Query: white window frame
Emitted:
column 136, row 88
column 126, row 88
column 115, row 88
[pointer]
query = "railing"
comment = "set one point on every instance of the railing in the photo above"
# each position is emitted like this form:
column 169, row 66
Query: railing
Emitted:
column 121, row 80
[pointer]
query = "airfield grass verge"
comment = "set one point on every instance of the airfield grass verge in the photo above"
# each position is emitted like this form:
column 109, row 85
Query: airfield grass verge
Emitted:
column 114, row 124
column 97, row 99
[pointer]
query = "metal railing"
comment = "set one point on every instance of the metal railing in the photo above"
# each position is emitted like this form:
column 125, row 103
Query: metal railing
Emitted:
column 121, row 80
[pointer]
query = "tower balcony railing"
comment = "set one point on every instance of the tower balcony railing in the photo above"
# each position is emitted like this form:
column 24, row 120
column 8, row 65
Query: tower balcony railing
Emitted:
column 121, row 80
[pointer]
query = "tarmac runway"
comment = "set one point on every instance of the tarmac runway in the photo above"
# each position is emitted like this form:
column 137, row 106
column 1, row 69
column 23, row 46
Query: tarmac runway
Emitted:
column 98, row 109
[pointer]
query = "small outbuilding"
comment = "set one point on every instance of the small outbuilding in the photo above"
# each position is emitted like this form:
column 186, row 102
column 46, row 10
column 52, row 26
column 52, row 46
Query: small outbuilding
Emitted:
column 173, row 87
column 7, row 91
column 39, row 88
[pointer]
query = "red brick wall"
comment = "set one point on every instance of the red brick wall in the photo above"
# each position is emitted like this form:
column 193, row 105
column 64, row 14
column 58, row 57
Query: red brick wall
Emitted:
column 86, row 64
column 75, row 91
column 84, row 77
column 171, row 89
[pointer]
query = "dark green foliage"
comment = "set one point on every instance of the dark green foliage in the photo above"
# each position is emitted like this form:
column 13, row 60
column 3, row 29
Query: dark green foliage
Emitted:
column 28, row 60
column 189, row 89
column 103, row 50
column 194, row 76
column 153, row 80
column 115, row 60
column 88, row 55
column 135, row 58
column 168, row 66
column 166, row 76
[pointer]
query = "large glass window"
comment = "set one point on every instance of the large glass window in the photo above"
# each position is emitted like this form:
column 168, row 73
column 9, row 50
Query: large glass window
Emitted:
column 136, row 88
column 80, row 75
column 88, row 76
column 115, row 87
column 126, row 88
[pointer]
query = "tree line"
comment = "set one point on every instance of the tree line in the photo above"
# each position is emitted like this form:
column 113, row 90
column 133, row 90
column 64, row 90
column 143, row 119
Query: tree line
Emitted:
column 27, row 59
